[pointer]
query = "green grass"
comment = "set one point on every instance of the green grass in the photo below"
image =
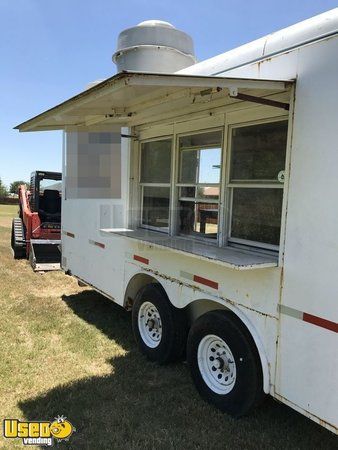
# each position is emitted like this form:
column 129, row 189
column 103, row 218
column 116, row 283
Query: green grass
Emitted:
column 68, row 350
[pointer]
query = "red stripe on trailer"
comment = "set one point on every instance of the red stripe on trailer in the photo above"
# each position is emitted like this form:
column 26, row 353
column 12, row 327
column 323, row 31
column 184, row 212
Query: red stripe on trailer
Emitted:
column 205, row 281
column 99, row 244
column 323, row 323
column 141, row 259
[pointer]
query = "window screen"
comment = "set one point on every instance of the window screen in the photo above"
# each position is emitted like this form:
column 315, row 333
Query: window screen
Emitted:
column 155, row 183
column 155, row 204
column 156, row 161
column 258, row 151
column 256, row 214
column 256, row 182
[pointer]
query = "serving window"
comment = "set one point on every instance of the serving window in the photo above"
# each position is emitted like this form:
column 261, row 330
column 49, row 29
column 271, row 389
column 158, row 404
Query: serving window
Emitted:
column 227, row 196
column 198, row 184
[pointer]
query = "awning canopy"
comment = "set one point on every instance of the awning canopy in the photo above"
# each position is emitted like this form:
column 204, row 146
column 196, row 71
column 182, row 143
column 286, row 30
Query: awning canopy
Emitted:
column 135, row 98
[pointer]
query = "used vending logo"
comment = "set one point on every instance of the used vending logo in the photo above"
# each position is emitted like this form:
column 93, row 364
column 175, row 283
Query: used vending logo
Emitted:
column 39, row 433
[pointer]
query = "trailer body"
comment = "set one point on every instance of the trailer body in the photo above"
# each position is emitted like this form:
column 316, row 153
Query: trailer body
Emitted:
column 285, row 294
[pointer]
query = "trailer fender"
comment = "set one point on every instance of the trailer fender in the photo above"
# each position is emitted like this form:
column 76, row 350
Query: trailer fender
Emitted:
column 134, row 284
column 259, row 344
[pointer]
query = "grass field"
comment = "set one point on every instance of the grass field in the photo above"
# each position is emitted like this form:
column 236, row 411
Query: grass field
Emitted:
column 68, row 350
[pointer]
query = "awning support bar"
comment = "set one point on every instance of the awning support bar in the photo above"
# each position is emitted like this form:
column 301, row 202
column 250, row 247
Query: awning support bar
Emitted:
column 261, row 100
column 129, row 136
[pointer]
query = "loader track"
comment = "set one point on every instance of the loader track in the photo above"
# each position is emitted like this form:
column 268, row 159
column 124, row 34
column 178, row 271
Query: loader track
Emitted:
column 18, row 240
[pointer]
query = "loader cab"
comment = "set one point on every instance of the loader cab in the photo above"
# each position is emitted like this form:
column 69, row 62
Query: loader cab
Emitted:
column 45, row 196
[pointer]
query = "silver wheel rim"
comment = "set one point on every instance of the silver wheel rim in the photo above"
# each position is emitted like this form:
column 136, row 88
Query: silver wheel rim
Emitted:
column 216, row 364
column 150, row 324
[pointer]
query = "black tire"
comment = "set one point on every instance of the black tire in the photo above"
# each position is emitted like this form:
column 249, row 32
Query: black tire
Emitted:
column 247, row 390
column 172, row 344
column 17, row 239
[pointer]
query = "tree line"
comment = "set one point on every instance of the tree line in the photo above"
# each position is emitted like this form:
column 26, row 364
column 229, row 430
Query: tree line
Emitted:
column 13, row 188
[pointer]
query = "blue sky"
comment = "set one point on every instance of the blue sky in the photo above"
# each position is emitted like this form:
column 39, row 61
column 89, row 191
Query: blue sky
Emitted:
column 50, row 50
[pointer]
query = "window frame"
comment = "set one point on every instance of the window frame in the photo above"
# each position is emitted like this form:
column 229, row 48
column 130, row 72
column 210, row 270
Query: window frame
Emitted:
column 224, row 122
column 142, row 185
column 178, row 185
column 258, row 184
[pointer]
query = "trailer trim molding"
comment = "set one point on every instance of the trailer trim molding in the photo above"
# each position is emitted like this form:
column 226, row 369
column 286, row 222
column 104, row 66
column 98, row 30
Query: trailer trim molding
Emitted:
column 199, row 279
column 309, row 318
column 141, row 259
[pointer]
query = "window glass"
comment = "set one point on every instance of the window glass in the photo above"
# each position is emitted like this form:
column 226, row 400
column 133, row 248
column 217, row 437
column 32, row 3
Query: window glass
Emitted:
column 155, row 211
column 199, row 169
column 198, row 218
column 200, row 192
column 208, row 139
column 188, row 191
column 256, row 214
column 209, row 165
column 47, row 183
column 258, row 151
column 156, row 161
column 198, row 164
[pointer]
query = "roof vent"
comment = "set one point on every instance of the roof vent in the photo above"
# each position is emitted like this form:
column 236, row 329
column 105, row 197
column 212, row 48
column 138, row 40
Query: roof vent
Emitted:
column 155, row 23
column 154, row 46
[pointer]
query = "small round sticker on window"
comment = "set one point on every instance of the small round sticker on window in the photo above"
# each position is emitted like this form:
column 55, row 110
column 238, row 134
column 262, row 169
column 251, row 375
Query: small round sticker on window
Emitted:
column 281, row 176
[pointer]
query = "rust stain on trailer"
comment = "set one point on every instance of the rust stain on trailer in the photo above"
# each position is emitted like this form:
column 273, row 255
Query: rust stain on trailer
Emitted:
column 309, row 414
column 199, row 289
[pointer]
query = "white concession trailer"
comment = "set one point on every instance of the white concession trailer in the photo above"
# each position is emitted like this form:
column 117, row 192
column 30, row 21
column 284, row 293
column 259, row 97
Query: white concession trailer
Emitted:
column 205, row 201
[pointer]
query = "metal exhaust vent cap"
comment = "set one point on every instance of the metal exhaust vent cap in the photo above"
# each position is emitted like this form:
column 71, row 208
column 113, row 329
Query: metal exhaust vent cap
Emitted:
column 154, row 46
column 155, row 23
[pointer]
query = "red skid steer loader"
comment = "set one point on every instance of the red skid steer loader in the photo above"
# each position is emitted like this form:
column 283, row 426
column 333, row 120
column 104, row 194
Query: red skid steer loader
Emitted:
column 36, row 233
